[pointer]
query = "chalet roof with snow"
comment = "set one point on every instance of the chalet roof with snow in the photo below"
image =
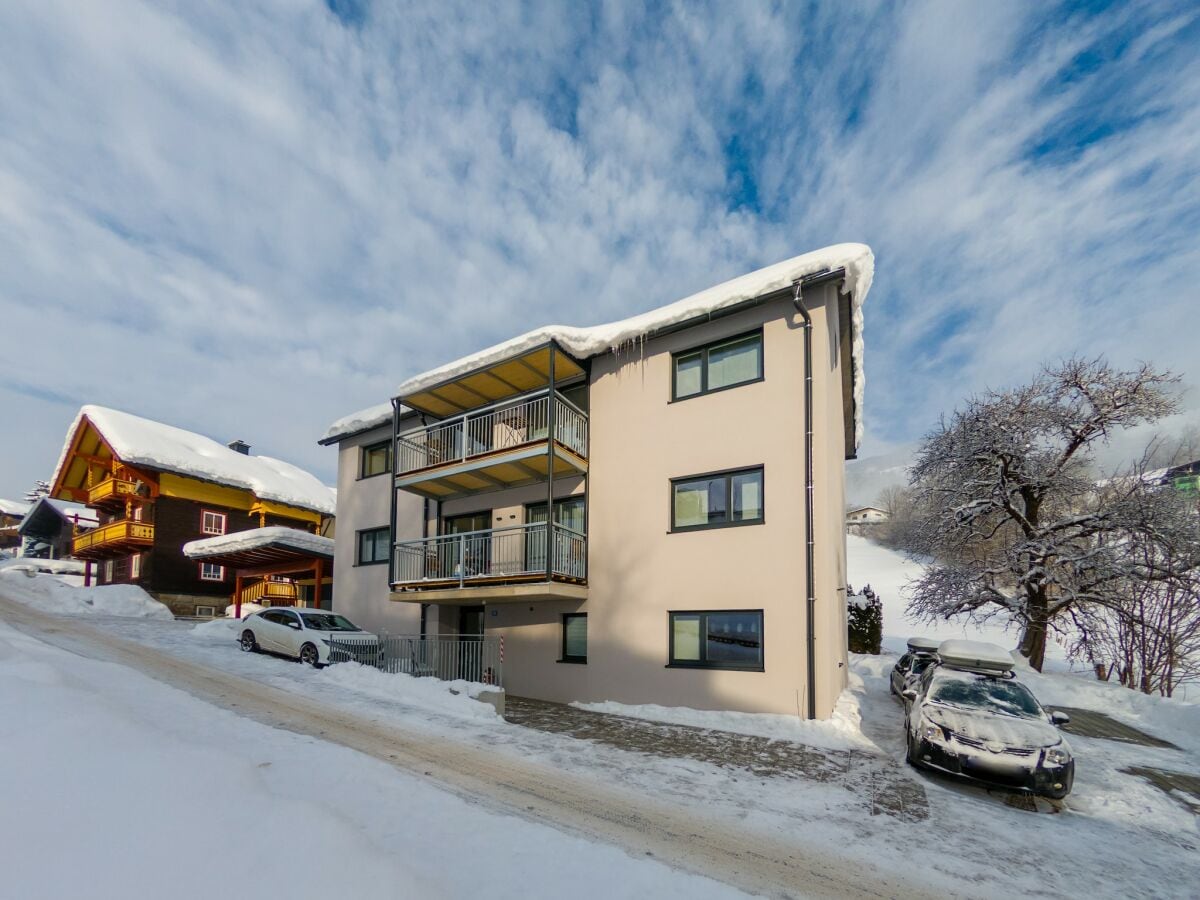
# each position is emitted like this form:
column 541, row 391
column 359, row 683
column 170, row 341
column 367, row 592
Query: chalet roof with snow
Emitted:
column 14, row 508
column 856, row 260
column 102, row 433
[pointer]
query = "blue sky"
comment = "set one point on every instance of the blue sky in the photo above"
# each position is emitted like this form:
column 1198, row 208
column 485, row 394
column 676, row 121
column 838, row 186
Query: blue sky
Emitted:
column 249, row 220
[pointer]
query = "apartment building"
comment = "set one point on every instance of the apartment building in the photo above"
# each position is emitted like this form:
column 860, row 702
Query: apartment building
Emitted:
column 650, row 511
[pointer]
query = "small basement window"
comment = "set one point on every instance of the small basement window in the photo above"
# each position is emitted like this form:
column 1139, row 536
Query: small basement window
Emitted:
column 209, row 611
column 574, row 638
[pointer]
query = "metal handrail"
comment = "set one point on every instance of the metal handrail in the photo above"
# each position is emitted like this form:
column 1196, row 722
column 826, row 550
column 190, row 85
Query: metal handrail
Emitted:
column 492, row 553
column 497, row 426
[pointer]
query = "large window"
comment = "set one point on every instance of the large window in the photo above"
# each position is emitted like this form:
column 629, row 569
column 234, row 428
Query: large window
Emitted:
column 574, row 641
column 717, row 640
column 376, row 459
column 717, row 500
column 373, row 546
column 717, row 366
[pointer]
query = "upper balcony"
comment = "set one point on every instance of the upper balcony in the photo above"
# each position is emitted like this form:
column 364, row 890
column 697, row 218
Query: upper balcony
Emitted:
column 112, row 492
column 498, row 446
column 124, row 536
column 502, row 424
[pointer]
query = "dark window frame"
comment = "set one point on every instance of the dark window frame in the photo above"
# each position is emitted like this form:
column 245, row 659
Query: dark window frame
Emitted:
column 728, row 475
column 358, row 546
column 703, row 350
column 703, row 663
column 385, row 445
column 563, row 656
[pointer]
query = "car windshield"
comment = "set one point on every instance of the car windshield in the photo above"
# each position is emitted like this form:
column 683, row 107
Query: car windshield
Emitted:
column 328, row 622
column 1007, row 697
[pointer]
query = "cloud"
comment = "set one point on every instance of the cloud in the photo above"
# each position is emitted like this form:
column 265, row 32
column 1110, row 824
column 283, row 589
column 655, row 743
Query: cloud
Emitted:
column 249, row 220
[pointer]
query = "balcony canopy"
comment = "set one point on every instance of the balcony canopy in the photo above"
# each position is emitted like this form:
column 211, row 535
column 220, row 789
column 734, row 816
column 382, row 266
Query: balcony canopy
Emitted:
column 510, row 377
column 275, row 547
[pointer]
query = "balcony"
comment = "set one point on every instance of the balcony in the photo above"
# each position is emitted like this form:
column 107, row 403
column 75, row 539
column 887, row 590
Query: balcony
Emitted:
column 499, row 446
column 270, row 593
column 125, row 536
column 493, row 564
column 111, row 492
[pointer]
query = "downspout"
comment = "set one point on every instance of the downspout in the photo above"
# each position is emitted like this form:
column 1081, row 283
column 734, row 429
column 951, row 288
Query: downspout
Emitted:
column 810, row 545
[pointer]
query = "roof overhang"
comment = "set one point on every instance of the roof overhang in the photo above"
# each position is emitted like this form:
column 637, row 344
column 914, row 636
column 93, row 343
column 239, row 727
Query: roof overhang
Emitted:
column 519, row 374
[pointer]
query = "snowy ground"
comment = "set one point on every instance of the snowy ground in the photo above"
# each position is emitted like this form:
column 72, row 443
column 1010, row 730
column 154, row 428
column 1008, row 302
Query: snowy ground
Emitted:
column 1117, row 836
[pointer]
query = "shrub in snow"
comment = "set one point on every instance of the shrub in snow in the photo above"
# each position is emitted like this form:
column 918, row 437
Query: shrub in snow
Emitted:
column 864, row 615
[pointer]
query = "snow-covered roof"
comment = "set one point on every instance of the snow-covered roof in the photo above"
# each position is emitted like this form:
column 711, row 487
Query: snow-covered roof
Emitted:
column 856, row 259
column 363, row 420
column 257, row 538
column 47, row 510
column 14, row 507
column 143, row 442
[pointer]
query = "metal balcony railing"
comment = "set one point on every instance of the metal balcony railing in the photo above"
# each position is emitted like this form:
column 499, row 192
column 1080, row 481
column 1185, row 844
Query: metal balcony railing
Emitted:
column 500, row 427
column 494, row 555
column 448, row 657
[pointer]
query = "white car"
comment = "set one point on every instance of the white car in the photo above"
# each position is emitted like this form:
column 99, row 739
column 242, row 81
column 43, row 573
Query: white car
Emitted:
column 301, row 633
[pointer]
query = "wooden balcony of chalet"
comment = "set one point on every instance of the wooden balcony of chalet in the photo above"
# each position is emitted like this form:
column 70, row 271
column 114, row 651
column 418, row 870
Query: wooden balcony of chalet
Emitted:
column 112, row 493
column 124, row 536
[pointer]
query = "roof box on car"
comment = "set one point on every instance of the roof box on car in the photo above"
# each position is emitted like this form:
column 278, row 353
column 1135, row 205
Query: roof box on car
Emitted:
column 974, row 655
column 923, row 645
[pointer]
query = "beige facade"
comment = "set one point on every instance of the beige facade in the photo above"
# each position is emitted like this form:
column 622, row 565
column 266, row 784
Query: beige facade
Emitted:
column 639, row 570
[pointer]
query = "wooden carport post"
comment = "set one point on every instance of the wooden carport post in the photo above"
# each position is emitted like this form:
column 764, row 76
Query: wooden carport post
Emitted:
column 317, row 587
column 237, row 597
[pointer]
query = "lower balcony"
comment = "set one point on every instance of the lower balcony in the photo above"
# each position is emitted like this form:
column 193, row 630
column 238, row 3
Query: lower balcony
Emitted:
column 495, row 564
column 125, row 536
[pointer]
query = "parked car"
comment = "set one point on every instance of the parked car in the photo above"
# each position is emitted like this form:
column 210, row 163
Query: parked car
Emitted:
column 922, row 653
column 969, row 716
column 304, row 634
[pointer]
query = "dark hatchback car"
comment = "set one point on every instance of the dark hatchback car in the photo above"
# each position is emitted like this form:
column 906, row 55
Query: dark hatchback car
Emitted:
column 988, row 727
column 922, row 653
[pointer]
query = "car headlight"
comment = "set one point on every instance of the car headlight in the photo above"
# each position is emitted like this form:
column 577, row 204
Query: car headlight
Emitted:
column 931, row 732
column 1058, row 756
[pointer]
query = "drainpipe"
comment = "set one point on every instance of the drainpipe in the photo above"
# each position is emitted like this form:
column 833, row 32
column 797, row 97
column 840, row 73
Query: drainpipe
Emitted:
column 810, row 546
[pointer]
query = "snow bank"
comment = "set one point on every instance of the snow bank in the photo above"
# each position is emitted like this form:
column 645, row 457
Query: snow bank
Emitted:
column 248, row 609
column 50, row 593
column 452, row 697
column 49, row 566
column 363, row 420
column 234, row 542
column 840, row 732
column 856, row 259
column 143, row 442
column 216, row 630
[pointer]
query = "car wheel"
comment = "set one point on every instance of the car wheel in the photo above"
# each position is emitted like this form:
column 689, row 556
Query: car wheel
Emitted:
column 248, row 643
column 309, row 656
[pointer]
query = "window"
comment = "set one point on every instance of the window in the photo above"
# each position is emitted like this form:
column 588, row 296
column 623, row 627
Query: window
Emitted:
column 373, row 546
column 724, row 364
column 212, row 522
column 135, row 566
column 210, row 572
column 209, row 611
column 574, row 639
column 376, row 459
column 108, row 571
column 719, row 500
column 717, row 640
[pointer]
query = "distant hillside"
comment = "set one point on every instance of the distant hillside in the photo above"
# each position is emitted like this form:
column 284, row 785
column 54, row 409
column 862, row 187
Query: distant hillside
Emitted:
column 867, row 477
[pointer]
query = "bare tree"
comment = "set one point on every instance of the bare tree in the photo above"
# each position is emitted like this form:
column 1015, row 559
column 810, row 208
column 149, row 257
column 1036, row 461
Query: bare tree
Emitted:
column 1005, row 501
column 1150, row 640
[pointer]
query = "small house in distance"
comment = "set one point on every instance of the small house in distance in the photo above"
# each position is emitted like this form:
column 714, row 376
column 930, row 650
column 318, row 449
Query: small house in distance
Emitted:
column 50, row 527
column 156, row 488
column 11, row 514
column 866, row 515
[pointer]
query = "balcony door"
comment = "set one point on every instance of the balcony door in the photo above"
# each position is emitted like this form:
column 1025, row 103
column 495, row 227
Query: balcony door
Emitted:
column 568, row 512
column 471, row 557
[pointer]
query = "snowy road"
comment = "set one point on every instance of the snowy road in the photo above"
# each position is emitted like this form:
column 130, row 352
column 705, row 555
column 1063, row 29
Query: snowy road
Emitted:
column 645, row 828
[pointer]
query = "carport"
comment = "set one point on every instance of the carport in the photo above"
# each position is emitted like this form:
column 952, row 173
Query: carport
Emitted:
column 256, row 555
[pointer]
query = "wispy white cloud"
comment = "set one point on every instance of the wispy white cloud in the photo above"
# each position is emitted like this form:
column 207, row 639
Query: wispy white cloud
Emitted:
column 252, row 220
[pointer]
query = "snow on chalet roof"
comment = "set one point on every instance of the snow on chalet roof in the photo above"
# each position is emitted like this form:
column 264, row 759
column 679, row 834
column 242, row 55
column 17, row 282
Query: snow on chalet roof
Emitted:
column 363, row 420
column 257, row 538
column 143, row 442
column 856, row 259
column 14, row 507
